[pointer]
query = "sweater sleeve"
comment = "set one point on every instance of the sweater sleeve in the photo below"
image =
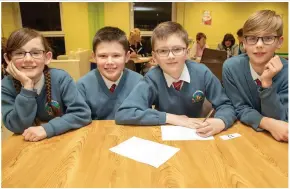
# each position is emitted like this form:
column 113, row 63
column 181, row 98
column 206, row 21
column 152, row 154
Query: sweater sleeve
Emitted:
column 18, row 112
column 77, row 113
column 215, row 93
column 81, row 89
column 274, row 101
column 136, row 108
column 245, row 113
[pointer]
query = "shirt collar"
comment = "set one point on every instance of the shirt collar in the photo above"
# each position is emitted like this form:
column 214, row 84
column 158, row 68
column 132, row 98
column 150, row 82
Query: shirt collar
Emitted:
column 254, row 73
column 110, row 83
column 39, row 85
column 184, row 77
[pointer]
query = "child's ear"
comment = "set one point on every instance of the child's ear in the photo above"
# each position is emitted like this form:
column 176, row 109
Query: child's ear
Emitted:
column 244, row 43
column 187, row 51
column 93, row 55
column 127, row 57
column 6, row 58
column 280, row 42
column 154, row 56
column 48, row 57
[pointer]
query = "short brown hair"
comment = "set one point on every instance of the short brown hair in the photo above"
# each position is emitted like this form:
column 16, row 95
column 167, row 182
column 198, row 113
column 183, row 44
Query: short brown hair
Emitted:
column 200, row 35
column 165, row 29
column 263, row 20
column 20, row 37
column 111, row 34
column 240, row 32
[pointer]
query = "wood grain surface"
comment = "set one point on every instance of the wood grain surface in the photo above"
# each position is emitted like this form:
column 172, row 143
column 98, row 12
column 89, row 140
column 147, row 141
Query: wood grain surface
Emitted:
column 81, row 158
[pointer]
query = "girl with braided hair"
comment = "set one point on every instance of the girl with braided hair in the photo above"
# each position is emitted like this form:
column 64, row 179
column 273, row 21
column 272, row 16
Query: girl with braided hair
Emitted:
column 33, row 94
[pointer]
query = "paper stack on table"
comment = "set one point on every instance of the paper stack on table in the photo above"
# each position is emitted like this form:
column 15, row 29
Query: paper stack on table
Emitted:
column 145, row 151
column 181, row 133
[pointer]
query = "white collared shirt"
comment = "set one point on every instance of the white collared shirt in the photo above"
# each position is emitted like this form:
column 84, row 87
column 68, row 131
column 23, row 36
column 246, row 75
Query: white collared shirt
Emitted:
column 254, row 74
column 184, row 77
column 39, row 85
column 110, row 83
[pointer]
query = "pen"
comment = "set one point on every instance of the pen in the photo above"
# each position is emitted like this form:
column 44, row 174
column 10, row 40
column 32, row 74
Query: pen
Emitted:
column 208, row 115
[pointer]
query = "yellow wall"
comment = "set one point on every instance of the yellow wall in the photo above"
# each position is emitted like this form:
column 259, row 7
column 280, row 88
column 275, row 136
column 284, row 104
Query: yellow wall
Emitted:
column 226, row 18
column 9, row 21
column 75, row 23
column 118, row 15
column 75, row 26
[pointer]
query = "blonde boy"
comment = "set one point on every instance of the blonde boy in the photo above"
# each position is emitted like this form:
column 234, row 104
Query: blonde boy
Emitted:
column 257, row 82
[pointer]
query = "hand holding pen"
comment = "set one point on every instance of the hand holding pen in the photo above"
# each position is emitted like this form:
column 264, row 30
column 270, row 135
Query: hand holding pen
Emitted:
column 208, row 115
column 210, row 126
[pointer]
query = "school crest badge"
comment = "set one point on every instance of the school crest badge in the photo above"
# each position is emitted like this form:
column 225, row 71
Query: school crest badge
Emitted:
column 56, row 106
column 197, row 96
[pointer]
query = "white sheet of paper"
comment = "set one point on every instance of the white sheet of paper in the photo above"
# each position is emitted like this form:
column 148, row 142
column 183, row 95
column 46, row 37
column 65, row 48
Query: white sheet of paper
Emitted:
column 230, row 136
column 181, row 133
column 145, row 151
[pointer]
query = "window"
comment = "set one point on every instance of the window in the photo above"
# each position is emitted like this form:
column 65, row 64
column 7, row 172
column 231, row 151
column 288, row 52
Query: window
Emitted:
column 41, row 16
column 46, row 18
column 57, row 44
column 146, row 42
column 146, row 16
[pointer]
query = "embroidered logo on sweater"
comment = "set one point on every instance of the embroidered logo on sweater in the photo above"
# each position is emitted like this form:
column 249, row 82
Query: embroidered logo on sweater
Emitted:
column 56, row 106
column 197, row 96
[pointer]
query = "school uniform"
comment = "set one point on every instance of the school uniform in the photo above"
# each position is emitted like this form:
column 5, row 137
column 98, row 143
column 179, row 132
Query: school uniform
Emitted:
column 187, row 98
column 251, row 101
column 101, row 97
column 20, row 110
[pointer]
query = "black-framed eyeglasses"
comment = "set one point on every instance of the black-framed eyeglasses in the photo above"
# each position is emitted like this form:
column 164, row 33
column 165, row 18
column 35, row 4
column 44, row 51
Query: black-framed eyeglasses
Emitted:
column 176, row 51
column 36, row 54
column 267, row 40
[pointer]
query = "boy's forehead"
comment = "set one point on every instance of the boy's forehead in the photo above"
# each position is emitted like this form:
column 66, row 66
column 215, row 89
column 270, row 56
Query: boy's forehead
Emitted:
column 109, row 46
column 171, row 40
column 261, row 33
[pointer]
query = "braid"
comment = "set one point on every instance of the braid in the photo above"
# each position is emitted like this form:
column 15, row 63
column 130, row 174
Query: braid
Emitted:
column 47, row 84
column 48, row 89
column 37, row 121
column 17, row 85
column 53, row 110
column 3, row 70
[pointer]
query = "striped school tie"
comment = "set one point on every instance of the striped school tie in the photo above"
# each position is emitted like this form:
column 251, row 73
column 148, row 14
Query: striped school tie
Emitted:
column 258, row 82
column 177, row 85
column 113, row 87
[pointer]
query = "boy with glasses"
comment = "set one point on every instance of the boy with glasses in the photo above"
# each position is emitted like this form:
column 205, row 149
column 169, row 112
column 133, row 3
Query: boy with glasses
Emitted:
column 257, row 82
column 177, row 88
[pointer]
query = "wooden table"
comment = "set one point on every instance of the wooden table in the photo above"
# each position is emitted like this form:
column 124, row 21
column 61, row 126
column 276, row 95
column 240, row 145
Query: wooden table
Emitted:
column 141, row 60
column 82, row 158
